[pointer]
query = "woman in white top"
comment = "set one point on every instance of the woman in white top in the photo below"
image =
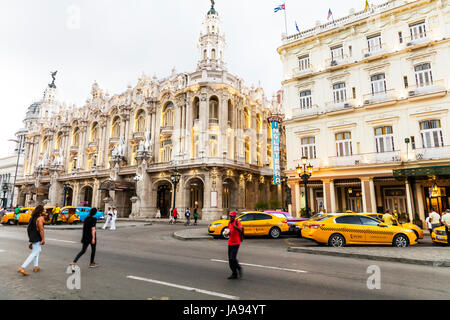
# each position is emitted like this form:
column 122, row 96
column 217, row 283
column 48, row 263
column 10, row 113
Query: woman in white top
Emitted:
column 158, row 214
column 108, row 218
column 113, row 219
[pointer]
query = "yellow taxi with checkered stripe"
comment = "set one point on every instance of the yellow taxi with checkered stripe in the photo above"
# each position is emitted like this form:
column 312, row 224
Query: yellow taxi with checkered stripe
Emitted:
column 338, row 230
column 255, row 223
column 417, row 230
column 439, row 235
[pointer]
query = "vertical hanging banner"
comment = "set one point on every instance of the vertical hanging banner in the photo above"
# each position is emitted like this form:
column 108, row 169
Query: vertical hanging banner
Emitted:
column 275, row 122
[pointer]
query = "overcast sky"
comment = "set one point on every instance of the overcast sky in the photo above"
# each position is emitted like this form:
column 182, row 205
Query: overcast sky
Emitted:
column 114, row 41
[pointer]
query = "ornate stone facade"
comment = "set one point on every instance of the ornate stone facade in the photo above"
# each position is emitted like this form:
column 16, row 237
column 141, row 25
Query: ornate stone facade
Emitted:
column 121, row 150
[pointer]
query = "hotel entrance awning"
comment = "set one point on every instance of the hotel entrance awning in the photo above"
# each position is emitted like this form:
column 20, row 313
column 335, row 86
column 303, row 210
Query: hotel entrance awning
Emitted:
column 421, row 172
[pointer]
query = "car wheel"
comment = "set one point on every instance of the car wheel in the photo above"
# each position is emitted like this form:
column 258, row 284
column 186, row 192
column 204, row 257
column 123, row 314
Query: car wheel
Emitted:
column 400, row 241
column 336, row 240
column 225, row 236
column 275, row 233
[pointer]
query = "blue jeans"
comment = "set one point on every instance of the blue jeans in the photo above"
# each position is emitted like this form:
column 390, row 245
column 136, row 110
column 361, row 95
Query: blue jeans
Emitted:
column 34, row 255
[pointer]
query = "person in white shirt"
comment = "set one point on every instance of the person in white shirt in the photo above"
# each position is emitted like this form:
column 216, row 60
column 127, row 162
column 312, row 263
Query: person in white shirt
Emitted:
column 435, row 219
column 446, row 222
column 158, row 214
column 428, row 221
column 108, row 219
column 113, row 219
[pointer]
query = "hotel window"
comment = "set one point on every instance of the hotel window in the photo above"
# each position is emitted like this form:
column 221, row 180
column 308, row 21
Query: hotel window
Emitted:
column 344, row 144
column 94, row 132
column 115, row 128
column 140, row 122
column 303, row 63
column 418, row 30
column 431, row 133
column 339, row 92
column 168, row 115
column 384, row 139
column 374, row 43
column 305, row 99
column 424, row 77
column 308, row 146
column 166, row 151
column 76, row 137
column 337, row 53
column 378, row 83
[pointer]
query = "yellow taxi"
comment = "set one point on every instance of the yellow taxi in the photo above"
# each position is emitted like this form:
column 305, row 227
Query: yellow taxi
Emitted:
column 254, row 223
column 411, row 226
column 298, row 226
column 338, row 230
column 48, row 215
column 439, row 236
column 24, row 216
column 69, row 215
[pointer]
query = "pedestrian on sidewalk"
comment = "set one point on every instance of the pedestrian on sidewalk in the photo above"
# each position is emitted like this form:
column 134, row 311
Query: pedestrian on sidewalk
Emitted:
column 108, row 218
column 55, row 214
column 158, row 214
column 113, row 219
column 236, row 233
column 175, row 215
column 388, row 218
column 89, row 237
column 36, row 238
column 430, row 227
column 196, row 215
column 16, row 215
column 446, row 222
column 187, row 215
column 435, row 219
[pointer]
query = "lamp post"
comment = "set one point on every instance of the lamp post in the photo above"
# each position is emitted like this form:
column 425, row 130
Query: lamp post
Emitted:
column 66, row 187
column 5, row 189
column 175, row 178
column 19, row 150
column 305, row 173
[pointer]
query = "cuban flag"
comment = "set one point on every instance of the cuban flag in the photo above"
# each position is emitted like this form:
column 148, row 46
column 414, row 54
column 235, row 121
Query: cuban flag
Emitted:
column 296, row 27
column 280, row 7
column 330, row 14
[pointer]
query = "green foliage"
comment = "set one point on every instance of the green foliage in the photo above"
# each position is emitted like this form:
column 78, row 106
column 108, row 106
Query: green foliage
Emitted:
column 261, row 205
column 302, row 212
column 274, row 204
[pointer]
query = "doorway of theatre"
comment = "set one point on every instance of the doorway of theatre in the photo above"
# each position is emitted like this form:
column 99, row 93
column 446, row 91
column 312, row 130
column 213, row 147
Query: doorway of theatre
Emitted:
column 163, row 198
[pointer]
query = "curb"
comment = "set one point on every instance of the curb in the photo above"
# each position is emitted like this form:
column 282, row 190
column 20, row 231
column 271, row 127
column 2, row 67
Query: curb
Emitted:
column 183, row 238
column 434, row 263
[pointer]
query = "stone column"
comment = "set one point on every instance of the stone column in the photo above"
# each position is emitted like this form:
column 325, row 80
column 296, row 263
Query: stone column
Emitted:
column 373, row 197
column 204, row 123
column 326, row 195
column 344, row 199
column 365, row 193
column 409, row 204
column 420, row 202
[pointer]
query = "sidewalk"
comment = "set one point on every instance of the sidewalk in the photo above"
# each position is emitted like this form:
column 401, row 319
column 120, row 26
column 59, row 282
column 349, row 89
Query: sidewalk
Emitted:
column 436, row 256
column 192, row 233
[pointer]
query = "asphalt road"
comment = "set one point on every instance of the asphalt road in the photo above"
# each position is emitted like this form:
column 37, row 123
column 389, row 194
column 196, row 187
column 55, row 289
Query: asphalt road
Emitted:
column 141, row 263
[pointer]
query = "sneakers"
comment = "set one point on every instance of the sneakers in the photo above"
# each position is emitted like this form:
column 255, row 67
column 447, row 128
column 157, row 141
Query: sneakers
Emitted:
column 36, row 269
column 93, row 265
column 22, row 271
column 233, row 276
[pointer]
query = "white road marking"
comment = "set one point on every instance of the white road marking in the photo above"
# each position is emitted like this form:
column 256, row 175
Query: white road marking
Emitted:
column 211, row 293
column 67, row 241
column 260, row 266
column 2, row 251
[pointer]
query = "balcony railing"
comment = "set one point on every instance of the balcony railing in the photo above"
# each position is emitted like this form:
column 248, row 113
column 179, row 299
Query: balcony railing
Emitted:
column 344, row 161
column 426, row 88
column 433, row 153
column 380, row 97
column 341, row 105
column 417, row 39
column 337, row 61
column 214, row 121
column 304, row 112
column 374, row 51
column 296, row 72
column 381, row 157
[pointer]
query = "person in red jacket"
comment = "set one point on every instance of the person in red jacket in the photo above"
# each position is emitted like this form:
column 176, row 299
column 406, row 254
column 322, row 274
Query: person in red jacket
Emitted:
column 235, row 231
column 175, row 215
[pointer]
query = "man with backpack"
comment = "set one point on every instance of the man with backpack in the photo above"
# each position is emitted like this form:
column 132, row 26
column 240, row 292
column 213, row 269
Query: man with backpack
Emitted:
column 236, row 235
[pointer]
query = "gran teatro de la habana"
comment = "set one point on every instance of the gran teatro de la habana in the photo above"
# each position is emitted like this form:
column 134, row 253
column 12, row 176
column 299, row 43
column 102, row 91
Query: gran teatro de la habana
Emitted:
column 204, row 134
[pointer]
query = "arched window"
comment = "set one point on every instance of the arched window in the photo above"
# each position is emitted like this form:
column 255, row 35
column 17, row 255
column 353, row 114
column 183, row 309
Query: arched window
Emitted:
column 230, row 113
column 76, row 137
column 95, row 131
column 166, row 151
column 205, row 54
column 214, row 110
column 139, row 123
column 115, row 127
column 167, row 115
column 213, row 54
column 196, row 108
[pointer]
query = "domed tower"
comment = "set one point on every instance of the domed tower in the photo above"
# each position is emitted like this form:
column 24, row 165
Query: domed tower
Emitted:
column 49, row 103
column 212, row 43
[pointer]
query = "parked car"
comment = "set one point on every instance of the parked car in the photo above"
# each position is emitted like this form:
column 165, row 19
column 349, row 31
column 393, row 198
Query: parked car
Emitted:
column 439, row 236
column 254, row 223
column 338, row 230
column 298, row 226
column 69, row 215
column 83, row 212
column 24, row 216
column 417, row 230
column 290, row 219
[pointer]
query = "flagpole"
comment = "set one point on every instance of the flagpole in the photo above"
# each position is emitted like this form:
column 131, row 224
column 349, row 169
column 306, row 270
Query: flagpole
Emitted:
column 285, row 19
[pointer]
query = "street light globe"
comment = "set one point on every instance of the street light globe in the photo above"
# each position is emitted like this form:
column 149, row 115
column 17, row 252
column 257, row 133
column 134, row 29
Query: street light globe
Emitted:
column 304, row 159
column 310, row 169
column 299, row 170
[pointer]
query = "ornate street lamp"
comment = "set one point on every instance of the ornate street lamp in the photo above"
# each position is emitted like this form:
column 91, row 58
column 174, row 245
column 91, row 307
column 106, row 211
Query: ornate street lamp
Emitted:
column 175, row 178
column 305, row 173
column 5, row 189
column 20, row 149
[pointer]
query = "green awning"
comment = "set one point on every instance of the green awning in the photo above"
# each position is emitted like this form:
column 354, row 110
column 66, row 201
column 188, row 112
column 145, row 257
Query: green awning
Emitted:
column 421, row 172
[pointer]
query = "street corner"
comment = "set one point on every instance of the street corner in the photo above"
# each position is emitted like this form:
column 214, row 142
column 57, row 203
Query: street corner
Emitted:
column 192, row 234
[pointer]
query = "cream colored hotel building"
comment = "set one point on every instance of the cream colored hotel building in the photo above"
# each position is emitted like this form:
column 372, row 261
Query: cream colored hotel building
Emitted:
column 366, row 100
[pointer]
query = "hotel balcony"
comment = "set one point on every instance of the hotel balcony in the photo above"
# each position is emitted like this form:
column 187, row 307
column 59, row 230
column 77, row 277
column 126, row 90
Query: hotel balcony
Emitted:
column 374, row 52
column 305, row 112
column 377, row 98
column 297, row 72
column 381, row 157
column 344, row 106
column 432, row 153
column 418, row 39
column 344, row 161
column 437, row 88
column 337, row 61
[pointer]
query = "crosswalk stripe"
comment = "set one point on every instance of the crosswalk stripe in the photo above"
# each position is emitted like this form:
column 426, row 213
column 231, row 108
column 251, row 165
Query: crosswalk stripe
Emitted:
column 211, row 293
column 260, row 266
column 67, row 241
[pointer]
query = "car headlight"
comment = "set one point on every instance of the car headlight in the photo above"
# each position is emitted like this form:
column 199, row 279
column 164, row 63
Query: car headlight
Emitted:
column 215, row 225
